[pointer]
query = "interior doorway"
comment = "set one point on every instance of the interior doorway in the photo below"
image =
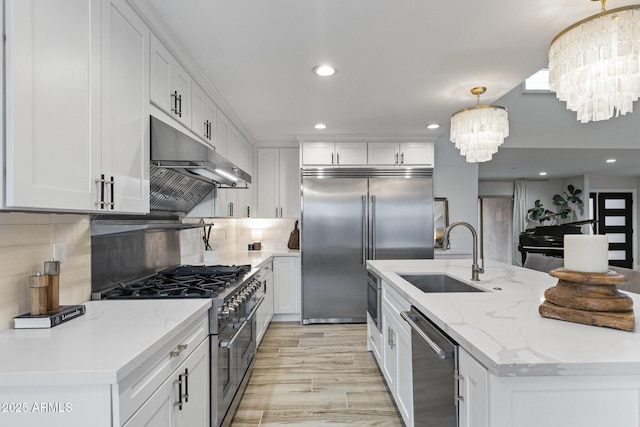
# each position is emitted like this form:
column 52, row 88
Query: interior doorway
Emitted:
column 614, row 214
column 496, row 230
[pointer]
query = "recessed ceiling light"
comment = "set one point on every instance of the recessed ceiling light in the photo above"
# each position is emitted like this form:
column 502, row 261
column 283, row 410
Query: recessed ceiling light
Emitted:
column 320, row 126
column 324, row 70
column 433, row 126
column 611, row 160
column 542, row 173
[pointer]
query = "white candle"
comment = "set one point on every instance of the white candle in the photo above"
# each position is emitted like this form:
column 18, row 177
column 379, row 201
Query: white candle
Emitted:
column 586, row 253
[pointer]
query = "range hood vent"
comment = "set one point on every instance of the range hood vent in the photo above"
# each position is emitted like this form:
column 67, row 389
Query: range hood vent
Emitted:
column 184, row 170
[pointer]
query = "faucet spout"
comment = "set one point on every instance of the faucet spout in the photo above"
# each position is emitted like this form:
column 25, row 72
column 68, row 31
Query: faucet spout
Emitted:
column 476, row 270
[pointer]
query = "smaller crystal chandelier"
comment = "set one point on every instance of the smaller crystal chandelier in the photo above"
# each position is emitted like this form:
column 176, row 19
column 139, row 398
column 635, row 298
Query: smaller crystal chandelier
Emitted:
column 594, row 65
column 478, row 131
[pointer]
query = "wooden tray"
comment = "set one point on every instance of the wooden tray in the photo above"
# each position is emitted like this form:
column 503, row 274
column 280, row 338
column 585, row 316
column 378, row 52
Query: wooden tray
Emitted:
column 618, row 320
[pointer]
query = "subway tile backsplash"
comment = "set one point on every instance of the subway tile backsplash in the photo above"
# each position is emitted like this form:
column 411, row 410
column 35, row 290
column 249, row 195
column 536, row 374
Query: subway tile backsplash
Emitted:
column 234, row 235
column 26, row 240
column 25, row 244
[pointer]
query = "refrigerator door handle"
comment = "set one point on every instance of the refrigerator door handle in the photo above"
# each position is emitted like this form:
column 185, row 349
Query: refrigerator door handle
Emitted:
column 364, row 230
column 373, row 227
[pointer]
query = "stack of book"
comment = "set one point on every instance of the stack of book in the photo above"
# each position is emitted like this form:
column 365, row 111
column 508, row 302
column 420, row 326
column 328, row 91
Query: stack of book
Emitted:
column 48, row 319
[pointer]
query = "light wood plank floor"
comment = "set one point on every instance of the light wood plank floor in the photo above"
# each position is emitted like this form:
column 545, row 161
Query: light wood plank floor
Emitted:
column 316, row 375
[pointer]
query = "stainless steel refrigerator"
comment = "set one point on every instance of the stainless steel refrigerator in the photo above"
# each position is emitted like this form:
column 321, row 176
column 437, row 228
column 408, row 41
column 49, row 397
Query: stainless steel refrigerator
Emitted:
column 350, row 215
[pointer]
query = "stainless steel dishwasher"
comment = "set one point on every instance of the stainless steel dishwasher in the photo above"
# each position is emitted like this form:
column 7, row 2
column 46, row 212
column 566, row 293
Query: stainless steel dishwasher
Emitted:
column 434, row 357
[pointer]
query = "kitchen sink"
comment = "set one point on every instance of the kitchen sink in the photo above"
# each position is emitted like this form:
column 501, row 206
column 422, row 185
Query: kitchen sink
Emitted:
column 432, row 283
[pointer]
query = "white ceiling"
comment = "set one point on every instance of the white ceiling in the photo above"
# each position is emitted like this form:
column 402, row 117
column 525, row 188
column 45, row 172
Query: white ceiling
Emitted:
column 401, row 63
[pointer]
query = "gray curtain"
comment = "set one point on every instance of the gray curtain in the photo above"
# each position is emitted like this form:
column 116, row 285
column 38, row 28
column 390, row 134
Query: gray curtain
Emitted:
column 519, row 216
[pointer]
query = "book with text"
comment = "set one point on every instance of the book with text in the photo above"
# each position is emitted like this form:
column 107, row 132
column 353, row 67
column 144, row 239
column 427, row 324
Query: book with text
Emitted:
column 48, row 319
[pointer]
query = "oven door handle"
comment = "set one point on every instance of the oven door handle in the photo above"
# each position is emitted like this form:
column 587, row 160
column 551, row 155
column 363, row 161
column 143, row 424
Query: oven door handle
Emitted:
column 231, row 342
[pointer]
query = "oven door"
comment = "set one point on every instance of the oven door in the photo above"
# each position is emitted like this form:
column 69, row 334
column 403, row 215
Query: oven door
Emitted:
column 374, row 294
column 236, row 351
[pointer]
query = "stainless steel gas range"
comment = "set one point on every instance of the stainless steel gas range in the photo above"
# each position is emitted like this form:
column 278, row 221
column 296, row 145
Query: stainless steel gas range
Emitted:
column 140, row 265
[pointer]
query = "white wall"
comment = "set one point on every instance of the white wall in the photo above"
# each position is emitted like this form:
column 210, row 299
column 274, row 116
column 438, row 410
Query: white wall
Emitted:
column 457, row 180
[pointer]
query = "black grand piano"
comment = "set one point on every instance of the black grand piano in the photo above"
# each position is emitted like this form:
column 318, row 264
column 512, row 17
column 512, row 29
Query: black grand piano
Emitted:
column 548, row 239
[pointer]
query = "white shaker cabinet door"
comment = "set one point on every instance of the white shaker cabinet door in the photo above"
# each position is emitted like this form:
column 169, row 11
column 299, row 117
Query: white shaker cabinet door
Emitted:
column 286, row 275
column 416, row 153
column 268, row 183
column 474, row 390
column 125, row 112
column 51, row 152
column 289, row 193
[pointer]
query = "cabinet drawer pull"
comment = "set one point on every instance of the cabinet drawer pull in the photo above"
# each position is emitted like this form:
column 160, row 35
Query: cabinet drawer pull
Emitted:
column 101, row 202
column 181, row 348
column 179, row 402
column 186, row 384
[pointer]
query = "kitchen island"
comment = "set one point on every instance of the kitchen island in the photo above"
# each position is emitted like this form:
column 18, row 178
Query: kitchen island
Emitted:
column 537, row 371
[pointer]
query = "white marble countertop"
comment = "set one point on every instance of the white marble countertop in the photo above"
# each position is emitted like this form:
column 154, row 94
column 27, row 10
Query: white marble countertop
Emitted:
column 101, row 347
column 255, row 258
column 503, row 329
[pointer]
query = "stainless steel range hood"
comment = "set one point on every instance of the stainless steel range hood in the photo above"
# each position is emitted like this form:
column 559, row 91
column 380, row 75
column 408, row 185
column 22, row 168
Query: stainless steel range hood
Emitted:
column 184, row 170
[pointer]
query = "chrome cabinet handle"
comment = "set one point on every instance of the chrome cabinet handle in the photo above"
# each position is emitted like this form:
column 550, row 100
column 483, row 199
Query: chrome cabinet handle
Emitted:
column 276, row 212
column 102, row 203
column 437, row 350
column 177, row 103
column 337, row 158
column 176, row 353
column 179, row 402
column 101, row 181
column 402, row 158
column 280, row 211
column 456, row 387
column 331, row 158
column 396, row 155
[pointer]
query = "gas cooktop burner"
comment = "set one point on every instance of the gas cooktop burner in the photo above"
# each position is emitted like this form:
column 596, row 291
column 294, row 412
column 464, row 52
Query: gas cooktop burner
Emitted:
column 181, row 282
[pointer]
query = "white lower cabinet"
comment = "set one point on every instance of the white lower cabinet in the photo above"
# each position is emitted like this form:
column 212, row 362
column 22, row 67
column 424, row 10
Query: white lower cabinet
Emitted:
column 172, row 388
column 286, row 278
column 374, row 340
column 396, row 352
column 265, row 311
column 182, row 399
column 473, row 390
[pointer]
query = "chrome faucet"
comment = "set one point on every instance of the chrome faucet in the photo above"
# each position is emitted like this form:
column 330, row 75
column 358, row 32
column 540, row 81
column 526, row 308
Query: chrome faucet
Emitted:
column 475, row 268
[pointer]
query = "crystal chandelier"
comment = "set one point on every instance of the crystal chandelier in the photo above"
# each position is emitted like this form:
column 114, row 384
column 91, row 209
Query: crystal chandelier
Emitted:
column 478, row 131
column 594, row 65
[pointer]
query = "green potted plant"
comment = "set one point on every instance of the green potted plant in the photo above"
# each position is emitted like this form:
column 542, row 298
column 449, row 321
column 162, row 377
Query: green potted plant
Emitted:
column 565, row 207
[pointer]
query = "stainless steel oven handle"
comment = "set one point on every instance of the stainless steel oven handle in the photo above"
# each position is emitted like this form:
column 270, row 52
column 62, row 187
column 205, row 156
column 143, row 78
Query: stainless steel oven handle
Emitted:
column 437, row 350
column 231, row 342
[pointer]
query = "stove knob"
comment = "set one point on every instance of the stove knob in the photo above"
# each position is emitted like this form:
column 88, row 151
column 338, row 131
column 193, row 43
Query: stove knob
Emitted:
column 223, row 312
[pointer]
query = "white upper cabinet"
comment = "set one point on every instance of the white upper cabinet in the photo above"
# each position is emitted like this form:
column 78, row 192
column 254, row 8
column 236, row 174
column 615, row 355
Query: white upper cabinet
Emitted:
column 203, row 114
column 125, row 106
column 245, row 196
column 334, row 154
column 404, row 153
column 170, row 85
column 76, row 130
column 278, row 183
column 50, row 140
column 358, row 153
